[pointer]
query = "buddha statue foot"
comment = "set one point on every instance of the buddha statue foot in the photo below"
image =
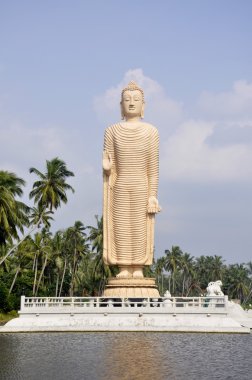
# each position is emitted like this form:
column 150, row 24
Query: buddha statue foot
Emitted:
column 138, row 272
column 124, row 272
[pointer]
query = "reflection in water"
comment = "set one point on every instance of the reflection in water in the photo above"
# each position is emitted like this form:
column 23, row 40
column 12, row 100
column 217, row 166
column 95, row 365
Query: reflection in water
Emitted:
column 135, row 356
column 125, row 356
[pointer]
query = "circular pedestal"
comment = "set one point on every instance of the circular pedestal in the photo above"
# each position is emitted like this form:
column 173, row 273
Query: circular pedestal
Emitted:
column 131, row 288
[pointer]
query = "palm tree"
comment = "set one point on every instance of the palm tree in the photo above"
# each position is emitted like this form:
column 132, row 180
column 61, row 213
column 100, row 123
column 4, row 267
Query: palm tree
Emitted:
column 50, row 190
column 216, row 266
column 40, row 249
column 65, row 257
column 101, row 271
column 88, row 284
column 237, row 281
column 159, row 269
column 76, row 243
column 11, row 182
column 21, row 261
column 46, row 251
column 209, row 268
column 40, row 216
column 37, row 216
column 173, row 262
column 13, row 213
column 187, row 268
column 57, row 248
column 8, row 218
column 249, row 268
column 96, row 235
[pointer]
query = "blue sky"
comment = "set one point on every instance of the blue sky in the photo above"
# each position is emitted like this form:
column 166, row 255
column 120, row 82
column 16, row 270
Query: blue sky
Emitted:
column 62, row 65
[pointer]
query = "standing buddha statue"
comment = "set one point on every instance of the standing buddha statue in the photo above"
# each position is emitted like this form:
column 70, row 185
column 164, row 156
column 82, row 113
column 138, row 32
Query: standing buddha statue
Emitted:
column 130, row 171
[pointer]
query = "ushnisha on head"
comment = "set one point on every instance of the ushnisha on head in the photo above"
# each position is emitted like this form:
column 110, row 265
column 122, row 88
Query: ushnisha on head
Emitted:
column 132, row 102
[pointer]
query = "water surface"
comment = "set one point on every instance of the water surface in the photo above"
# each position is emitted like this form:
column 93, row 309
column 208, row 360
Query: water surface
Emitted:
column 130, row 356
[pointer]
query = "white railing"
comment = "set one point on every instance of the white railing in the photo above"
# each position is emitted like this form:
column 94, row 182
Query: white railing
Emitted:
column 60, row 303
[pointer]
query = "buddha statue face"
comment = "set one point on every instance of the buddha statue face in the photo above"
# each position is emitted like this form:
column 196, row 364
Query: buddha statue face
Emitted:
column 132, row 103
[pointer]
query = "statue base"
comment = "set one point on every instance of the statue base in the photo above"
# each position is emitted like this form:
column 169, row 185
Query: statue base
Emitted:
column 130, row 287
column 211, row 314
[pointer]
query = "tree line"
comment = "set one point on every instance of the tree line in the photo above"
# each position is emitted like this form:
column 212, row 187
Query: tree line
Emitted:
column 36, row 262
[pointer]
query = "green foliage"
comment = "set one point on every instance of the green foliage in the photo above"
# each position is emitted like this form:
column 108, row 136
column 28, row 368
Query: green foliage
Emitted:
column 13, row 213
column 5, row 317
column 6, row 302
column 184, row 275
column 50, row 190
column 70, row 262
column 237, row 282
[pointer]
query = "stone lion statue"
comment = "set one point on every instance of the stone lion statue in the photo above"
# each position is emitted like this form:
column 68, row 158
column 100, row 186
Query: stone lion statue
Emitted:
column 214, row 288
column 167, row 294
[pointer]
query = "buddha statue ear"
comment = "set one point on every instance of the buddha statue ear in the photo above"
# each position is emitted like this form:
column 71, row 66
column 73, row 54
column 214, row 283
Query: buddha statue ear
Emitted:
column 122, row 113
column 142, row 111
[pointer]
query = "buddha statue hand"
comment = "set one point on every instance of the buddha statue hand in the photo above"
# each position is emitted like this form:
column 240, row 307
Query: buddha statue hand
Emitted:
column 107, row 162
column 153, row 206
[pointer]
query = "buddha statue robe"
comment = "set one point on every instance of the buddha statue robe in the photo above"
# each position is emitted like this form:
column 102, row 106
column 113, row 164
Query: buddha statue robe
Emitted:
column 128, row 238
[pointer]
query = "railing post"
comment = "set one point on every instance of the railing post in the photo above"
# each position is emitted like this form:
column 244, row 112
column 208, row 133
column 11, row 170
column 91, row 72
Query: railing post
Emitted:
column 225, row 301
column 173, row 302
column 22, row 303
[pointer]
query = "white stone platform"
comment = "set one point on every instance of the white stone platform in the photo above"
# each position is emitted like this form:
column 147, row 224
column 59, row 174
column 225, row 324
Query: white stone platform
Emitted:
column 180, row 314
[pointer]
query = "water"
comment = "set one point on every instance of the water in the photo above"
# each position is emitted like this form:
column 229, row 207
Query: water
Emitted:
column 131, row 356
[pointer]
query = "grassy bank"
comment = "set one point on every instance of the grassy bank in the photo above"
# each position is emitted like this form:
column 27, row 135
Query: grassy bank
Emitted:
column 5, row 317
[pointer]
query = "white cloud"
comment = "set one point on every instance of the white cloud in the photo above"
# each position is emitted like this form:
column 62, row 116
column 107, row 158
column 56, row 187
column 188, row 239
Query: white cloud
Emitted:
column 189, row 157
column 23, row 147
column 159, row 107
column 191, row 150
column 32, row 146
column 28, row 145
column 234, row 103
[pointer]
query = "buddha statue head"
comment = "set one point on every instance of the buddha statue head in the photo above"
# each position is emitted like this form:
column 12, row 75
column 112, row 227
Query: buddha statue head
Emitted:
column 132, row 102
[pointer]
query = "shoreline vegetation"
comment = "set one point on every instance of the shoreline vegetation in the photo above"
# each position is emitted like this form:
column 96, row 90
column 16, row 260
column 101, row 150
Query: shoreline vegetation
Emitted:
column 6, row 317
column 36, row 262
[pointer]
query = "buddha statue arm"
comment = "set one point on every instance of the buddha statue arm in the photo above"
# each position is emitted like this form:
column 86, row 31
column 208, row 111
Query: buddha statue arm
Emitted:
column 153, row 206
column 107, row 161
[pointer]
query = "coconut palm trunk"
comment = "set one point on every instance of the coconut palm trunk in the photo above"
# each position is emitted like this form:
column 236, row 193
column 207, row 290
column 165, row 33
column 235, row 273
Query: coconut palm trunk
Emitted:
column 20, row 241
column 35, row 276
column 71, row 290
column 57, row 285
column 63, row 277
column 41, row 274
column 14, row 279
